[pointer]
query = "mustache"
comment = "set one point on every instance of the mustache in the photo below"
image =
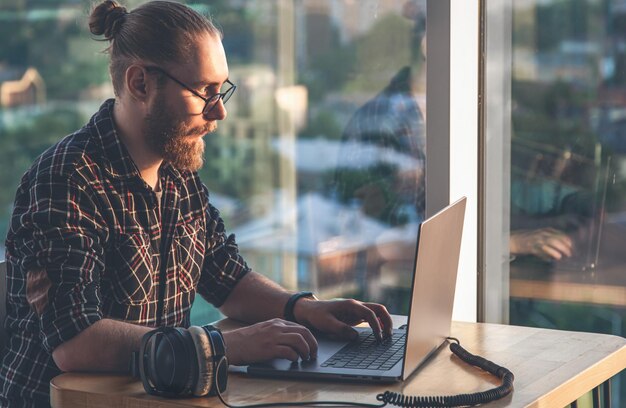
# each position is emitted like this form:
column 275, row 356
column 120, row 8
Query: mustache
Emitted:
column 208, row 128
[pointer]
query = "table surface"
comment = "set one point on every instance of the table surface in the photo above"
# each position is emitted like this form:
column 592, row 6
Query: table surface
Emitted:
column 552, row 368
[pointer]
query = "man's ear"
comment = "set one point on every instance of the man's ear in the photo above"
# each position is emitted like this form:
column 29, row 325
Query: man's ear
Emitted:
column 137, row 82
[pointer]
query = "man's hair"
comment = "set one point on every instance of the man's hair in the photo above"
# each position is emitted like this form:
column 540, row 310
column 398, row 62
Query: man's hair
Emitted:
column 155, row 32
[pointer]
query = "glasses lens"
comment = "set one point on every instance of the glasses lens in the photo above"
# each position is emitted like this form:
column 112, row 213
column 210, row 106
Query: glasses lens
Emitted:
column 212, row 101
column 229, row 92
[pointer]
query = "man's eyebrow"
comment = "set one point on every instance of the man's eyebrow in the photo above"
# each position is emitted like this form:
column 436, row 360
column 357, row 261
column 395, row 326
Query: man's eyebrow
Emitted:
column 207, row 83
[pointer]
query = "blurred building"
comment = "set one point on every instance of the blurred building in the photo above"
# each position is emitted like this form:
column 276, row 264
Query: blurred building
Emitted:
column 21, row 87
column 243, row 141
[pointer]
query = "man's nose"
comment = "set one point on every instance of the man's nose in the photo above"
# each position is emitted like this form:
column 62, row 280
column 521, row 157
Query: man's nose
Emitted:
column 218, row 112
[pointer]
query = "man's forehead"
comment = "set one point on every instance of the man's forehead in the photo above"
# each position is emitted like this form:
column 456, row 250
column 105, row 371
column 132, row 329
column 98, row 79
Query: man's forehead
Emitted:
column 212, row 59
column 207, row 65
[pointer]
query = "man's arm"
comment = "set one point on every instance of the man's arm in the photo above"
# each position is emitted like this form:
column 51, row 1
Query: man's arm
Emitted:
column 106, row 345
column 255, row 299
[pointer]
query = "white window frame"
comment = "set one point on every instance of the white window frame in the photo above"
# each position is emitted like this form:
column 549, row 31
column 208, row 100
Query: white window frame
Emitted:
column 495, row 159
column 452, row 130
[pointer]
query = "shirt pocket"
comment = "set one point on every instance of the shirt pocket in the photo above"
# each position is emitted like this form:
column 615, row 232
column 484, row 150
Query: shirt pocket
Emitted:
column 189, row 248
column 131, row 269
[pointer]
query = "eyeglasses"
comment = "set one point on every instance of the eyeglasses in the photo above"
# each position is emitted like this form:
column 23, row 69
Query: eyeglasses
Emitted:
column 210, row 102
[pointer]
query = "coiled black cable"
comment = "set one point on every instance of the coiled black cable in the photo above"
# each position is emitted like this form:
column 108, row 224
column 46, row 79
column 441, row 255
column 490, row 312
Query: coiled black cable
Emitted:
column 414, row 401
column 461, row 400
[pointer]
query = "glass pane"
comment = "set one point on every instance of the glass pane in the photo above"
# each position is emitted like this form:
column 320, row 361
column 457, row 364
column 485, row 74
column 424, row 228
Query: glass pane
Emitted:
column 568, row 166
column 52, row 79
column 319, row 168
column 320, row 164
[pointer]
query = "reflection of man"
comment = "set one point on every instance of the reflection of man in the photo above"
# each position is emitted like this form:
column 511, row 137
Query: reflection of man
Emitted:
column 112, row 232
column 549, row 205
column 392, row 122
column 545, row 243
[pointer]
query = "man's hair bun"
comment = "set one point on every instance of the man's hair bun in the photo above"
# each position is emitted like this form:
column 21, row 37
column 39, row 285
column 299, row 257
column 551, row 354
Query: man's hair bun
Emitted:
column 107, row 19
column 158, row 30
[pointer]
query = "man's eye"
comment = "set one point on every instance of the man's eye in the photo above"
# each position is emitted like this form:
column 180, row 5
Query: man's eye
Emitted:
column 210, row 91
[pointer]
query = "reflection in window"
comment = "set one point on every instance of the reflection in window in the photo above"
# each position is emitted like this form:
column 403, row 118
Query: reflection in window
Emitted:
column 332, row 186
column 567, row 157
column 52, row 79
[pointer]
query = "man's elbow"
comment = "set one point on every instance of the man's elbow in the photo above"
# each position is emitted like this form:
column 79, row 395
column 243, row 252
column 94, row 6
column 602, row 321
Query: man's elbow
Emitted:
column 70, row 355
column 62, row 359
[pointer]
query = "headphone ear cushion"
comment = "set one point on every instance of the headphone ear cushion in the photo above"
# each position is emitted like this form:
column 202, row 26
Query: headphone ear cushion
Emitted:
column 204, row 354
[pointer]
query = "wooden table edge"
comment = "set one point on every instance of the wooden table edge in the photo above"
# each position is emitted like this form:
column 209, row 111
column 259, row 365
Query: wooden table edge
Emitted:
column 586, row 380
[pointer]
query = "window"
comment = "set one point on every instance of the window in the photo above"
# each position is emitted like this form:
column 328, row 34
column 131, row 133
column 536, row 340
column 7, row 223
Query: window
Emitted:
column 320, row 167
column 555, row 152
column 52, row 78
column 328, row 155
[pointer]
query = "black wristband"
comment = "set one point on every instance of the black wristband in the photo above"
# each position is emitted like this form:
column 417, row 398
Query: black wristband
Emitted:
column 291, row 303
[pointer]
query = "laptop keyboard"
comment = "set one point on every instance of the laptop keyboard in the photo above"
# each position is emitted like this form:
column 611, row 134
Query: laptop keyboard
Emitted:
column 367, row 353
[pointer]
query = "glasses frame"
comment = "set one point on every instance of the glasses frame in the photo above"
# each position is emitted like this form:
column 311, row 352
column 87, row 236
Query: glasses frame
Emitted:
column 211, row 101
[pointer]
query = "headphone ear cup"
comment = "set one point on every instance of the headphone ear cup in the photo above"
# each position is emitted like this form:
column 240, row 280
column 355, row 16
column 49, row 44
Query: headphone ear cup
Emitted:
column 151, row 372
column 172, row 366
column 191, row 367
column 204, row 360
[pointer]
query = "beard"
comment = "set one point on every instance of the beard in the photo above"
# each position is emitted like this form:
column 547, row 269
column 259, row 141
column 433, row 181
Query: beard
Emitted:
column 167, row 137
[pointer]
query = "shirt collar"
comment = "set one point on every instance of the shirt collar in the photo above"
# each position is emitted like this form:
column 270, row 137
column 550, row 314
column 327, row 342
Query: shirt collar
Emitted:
column 167, row 168
column 117, row 159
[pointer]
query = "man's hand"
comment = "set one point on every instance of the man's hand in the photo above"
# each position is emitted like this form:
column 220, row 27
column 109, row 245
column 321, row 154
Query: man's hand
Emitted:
column 336, row 317
column 256, row 298
column 545, row 243
column 274, row 338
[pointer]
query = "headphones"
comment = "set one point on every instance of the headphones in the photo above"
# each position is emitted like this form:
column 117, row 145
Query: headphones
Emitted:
column 178, row 362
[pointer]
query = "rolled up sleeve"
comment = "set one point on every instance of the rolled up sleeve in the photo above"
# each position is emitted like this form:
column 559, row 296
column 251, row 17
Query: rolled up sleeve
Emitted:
column 57, row 230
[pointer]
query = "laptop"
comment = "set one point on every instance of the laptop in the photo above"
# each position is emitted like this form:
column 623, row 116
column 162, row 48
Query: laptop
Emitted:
column 587, row 236
column 428, row 322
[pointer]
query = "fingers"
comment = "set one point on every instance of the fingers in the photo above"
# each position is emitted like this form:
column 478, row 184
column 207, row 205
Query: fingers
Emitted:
column 345, row 313
column 286, row 352
column 297, row 343
column 372, row 319
column 557, row 245
column 549, row 253
column 562, row 244
column 271, row 339
column 296, row 337
column 383, row 317
column 546, row 243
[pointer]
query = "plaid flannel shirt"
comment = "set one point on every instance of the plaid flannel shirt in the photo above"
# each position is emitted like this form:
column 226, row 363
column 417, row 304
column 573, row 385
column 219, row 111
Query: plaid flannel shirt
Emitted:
column 87, row 228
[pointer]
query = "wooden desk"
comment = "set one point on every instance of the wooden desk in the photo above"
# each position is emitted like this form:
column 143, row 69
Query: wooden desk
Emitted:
column 552, row 369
